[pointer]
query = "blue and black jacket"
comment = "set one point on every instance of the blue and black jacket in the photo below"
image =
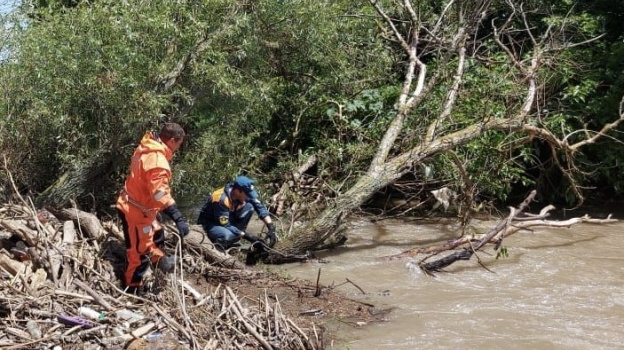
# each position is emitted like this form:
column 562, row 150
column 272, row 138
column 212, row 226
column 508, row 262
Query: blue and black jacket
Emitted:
column 221, row 210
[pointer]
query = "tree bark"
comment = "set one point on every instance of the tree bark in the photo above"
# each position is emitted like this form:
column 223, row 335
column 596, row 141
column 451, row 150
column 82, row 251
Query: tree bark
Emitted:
column 197, row 241
column 88, row 224
column 87, row 177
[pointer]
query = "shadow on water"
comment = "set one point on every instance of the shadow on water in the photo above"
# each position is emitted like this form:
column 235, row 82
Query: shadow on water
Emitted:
column 566, row 244
column 380, row 244
column 374, row 236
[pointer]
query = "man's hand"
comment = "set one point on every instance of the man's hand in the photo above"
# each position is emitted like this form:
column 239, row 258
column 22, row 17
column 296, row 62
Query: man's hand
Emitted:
column 252, row 238
column 176, row 215
column 183, row 227
column 270, row 236
column 257, row 243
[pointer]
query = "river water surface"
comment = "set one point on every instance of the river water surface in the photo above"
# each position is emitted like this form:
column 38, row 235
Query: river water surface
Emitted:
column 560, row 288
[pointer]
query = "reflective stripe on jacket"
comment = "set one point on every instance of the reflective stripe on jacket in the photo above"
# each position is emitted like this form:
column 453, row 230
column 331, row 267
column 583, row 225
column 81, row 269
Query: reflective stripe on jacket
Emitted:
column 220, row 207
column 147, row 186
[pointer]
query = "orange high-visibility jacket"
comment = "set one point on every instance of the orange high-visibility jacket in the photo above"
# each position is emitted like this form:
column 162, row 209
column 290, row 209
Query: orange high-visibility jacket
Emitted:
column 147, row 190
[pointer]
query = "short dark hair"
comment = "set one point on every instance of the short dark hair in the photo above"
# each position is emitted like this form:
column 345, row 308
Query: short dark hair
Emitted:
column 171, row 131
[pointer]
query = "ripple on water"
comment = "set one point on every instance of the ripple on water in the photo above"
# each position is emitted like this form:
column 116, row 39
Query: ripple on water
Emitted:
column 558, row 289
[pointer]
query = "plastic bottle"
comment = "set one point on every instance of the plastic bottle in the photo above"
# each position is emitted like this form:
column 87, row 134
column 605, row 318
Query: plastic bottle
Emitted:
column 153, row 337
column 88, row 312
column 33, row 329
column 129, row 316
column 118, row 332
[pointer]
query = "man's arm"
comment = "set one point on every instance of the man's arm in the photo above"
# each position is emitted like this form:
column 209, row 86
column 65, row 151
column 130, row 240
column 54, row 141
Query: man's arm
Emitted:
column 265, row 216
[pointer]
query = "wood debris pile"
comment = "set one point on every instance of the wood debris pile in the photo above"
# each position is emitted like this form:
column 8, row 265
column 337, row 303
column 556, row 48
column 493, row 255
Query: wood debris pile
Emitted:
column 60, row 289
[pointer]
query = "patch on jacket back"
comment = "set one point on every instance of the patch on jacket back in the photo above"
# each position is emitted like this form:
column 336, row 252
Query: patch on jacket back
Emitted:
column 223, row 220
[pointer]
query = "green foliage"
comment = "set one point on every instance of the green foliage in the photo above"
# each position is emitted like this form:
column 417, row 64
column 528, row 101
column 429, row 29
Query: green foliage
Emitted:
column 502, row 253
column 267, row 83
column 351, row 130
column 581, row 87
column 584, row 92
column 494, row 162
column 84, row 78
column 297, row 64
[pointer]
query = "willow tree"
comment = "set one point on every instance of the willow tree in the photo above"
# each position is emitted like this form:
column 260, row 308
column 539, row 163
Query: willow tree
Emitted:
column 486, row 66
column 82, row 83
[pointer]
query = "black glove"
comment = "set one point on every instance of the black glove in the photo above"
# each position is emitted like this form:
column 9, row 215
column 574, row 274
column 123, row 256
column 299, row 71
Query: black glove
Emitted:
column 183, row 227
column 174, row 213
column 270, row 236
column 251, row 238
column 257, row 243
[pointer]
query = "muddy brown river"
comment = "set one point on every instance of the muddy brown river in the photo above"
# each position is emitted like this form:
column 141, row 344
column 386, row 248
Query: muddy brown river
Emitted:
column 560, row 288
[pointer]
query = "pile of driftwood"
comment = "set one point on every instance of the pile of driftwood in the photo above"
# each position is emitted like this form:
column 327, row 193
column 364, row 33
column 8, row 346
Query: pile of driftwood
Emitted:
column 60, row 288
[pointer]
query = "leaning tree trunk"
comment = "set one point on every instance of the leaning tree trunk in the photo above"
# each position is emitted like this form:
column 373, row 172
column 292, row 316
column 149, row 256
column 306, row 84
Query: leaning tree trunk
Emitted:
column 314, row 233
column 452, row 30
column 88, row 177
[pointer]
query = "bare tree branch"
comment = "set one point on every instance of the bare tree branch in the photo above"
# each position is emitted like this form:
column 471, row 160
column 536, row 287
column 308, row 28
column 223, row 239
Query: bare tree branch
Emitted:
column 605, row 129
column 451, row 96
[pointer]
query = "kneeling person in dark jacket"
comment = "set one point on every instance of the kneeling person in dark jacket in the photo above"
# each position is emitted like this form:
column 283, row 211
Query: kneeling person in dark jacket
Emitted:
column 227, row 213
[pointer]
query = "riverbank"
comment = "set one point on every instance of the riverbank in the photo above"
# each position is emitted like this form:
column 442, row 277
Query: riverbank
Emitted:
column 56, row 274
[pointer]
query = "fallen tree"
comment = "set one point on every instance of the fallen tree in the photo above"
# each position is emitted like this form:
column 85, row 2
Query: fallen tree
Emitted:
column 451, row 37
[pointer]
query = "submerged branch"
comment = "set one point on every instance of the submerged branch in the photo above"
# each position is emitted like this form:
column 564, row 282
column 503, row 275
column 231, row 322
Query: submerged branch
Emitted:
column 470, row 244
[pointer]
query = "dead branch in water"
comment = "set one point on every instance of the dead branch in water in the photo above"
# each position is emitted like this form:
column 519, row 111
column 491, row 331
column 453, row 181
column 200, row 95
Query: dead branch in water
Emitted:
column 470, row 244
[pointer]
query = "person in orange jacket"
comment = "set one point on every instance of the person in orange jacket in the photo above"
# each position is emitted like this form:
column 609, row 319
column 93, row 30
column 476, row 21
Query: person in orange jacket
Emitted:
column 146, row 193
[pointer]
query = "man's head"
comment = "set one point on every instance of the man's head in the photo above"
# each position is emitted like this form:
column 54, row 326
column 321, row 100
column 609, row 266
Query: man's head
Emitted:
column 245, row 185
column 172, row 135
